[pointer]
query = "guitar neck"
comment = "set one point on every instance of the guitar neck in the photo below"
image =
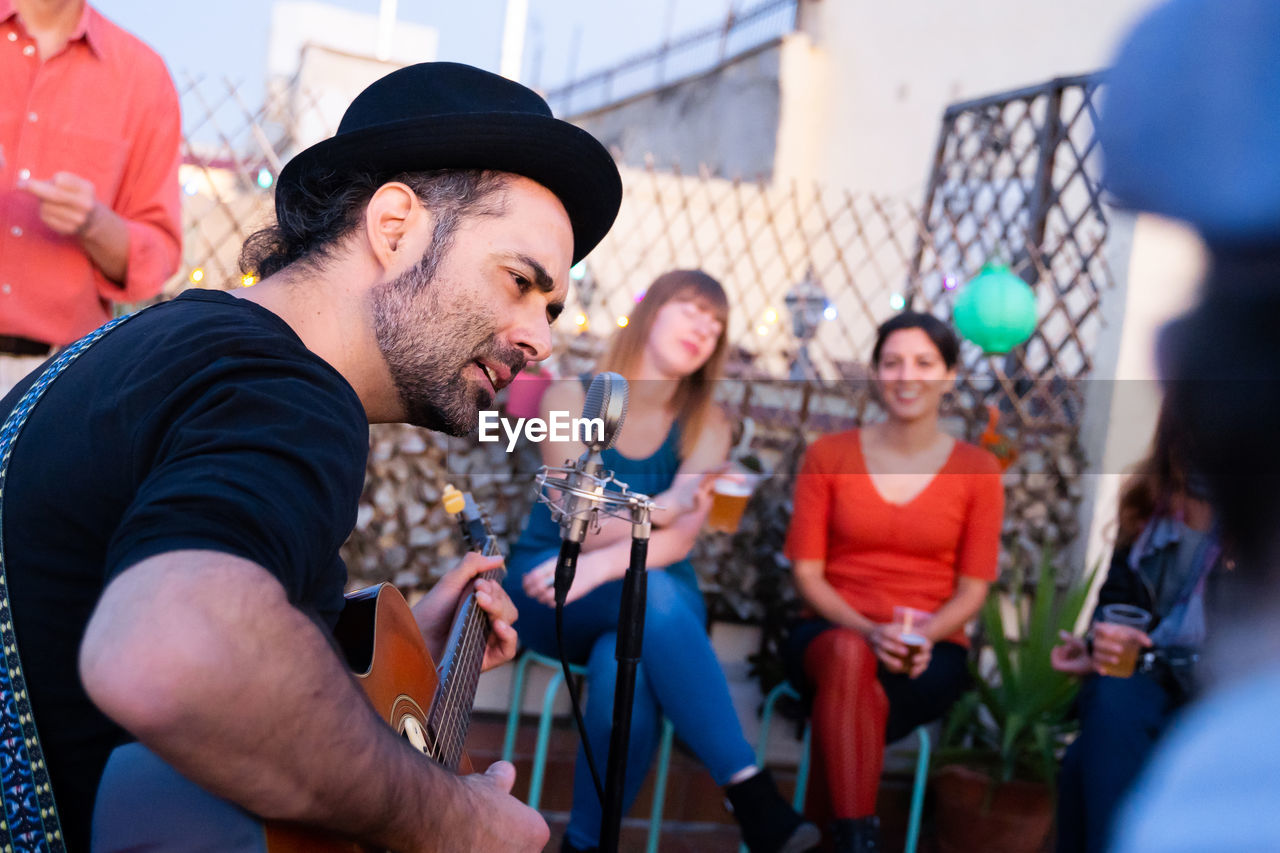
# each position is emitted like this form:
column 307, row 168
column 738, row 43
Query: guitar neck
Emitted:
column 459, row 668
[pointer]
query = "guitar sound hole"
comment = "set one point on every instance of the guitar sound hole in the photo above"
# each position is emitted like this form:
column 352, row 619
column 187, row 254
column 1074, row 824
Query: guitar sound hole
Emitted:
column 413, row 731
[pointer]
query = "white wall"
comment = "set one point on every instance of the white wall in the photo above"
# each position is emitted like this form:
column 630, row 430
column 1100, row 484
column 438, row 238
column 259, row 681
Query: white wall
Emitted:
column 296, row 23
column 891, row 68
column 1159, row 264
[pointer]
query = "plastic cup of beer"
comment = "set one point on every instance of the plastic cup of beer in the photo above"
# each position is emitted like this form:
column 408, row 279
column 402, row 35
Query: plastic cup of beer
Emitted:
column 729, row 495
column 1130, row 617
column 909, row 622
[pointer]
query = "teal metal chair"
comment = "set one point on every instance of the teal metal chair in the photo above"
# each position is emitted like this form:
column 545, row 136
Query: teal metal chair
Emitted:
column 539, row 768
column 802, row 771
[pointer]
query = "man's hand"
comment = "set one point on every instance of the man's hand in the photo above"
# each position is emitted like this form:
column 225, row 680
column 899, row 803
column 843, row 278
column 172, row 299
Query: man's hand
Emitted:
column 68, row 203
column 501, row 822
column 435, row 612
column 1070, row 655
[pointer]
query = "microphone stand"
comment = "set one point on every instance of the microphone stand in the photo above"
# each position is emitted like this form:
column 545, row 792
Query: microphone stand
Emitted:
column 627, row 654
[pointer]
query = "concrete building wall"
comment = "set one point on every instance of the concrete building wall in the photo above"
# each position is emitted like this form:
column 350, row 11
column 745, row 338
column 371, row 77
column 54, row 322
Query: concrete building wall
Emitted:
column 890, row 69
column 726, row 120
column 1159, row 264
column 853, row 99
column 298, row 23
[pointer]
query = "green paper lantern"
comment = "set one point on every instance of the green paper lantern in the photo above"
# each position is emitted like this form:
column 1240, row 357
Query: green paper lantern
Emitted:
column 996, row 310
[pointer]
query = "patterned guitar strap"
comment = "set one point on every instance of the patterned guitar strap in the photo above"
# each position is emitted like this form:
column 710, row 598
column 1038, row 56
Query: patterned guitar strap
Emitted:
column 30, row 821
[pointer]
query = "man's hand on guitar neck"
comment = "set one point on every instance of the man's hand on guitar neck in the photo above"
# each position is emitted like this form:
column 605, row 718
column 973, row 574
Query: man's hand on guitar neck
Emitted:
column 435, row 612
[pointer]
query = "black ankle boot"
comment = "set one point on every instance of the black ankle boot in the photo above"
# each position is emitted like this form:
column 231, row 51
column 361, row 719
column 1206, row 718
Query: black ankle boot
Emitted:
column 768, row 823
column 856, row 835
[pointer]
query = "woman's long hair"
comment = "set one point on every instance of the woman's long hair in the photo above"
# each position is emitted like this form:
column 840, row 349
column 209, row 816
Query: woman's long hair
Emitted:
column 1156, row 479
column 692, row 398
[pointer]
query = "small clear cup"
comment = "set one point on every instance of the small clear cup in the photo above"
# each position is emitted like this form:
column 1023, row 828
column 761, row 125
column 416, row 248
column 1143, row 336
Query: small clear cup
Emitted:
column 909, row 622
column 1130, row 617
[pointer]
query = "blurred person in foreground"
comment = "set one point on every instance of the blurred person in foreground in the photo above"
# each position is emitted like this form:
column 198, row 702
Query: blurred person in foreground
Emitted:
column 895, row 514
column 89, row 153
column 1190, row 130
column 173, row 508
column 671, row 444
column 1166, row 550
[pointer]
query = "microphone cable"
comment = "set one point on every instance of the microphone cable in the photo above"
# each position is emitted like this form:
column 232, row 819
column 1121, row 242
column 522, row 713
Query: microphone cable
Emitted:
column 566, row 567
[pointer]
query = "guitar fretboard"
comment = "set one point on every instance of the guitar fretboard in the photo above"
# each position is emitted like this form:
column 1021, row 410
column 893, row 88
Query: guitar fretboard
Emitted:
column 450, row 716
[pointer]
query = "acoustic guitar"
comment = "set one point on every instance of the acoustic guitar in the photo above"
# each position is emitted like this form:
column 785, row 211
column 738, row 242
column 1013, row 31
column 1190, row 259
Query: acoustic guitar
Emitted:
column 428, row 704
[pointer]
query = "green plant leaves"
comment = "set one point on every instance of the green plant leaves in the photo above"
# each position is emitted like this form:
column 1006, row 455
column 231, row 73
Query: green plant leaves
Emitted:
column 1015, row 722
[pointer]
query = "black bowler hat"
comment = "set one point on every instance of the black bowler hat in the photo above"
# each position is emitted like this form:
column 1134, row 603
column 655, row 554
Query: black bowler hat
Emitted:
column 443, row 115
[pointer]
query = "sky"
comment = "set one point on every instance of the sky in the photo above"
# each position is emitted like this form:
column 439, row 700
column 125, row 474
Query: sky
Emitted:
column 564, row 38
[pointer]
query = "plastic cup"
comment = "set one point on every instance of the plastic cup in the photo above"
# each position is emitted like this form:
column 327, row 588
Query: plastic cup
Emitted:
column 909, row 622
column 1130, row 617
column 729, row 496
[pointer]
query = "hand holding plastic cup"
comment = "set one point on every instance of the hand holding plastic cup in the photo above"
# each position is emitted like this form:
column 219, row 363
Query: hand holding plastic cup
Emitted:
column 729, row 495
column 1118, row 634
column 909, row 621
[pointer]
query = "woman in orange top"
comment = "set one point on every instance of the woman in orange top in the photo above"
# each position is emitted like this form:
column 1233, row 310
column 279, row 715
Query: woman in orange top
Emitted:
column 898, row 513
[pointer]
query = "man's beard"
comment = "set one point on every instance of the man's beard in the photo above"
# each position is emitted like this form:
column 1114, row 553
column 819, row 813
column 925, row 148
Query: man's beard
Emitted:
column 428, row 346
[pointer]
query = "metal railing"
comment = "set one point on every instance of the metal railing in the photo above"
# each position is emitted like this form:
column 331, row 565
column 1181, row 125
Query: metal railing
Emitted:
column 686, row 56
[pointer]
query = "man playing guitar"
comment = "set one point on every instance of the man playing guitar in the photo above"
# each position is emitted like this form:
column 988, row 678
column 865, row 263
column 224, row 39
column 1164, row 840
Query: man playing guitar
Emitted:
column 173, row 506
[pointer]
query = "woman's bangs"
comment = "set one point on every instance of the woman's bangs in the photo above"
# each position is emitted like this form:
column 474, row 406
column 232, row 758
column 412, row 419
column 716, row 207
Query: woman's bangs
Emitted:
column 709, row 297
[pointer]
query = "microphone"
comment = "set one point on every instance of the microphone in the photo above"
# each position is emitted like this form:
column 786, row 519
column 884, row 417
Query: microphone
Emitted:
column 607, row 402
column 584, row 489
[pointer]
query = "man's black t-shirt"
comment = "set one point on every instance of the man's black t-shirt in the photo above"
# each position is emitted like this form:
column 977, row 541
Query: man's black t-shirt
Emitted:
column 201, row 423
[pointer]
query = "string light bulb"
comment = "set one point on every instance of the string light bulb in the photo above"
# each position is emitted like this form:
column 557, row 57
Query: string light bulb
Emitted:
column 197, row 275
column 622, row 321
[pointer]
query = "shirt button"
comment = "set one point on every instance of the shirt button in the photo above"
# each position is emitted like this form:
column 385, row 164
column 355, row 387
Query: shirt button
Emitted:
column 32, row 116
column 15, row 231
column 5, row 288
column 24, row 174
column 29, row 50
column 13, row 36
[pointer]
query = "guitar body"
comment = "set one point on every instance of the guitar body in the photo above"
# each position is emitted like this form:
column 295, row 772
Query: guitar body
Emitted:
column 389, row 659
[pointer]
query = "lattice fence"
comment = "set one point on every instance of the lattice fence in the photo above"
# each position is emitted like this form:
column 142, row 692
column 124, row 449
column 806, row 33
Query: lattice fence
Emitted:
column 1014, row 175
column 1015, row 178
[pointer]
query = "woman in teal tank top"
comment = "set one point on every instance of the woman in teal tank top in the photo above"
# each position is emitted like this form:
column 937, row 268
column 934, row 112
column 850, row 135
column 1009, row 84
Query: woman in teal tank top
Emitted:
column 673, row 441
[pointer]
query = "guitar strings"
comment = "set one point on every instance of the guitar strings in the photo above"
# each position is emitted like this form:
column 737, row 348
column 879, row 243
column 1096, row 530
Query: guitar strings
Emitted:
column 452, row 707
column 464, row 685
column 461, row 683
column 456, row 684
